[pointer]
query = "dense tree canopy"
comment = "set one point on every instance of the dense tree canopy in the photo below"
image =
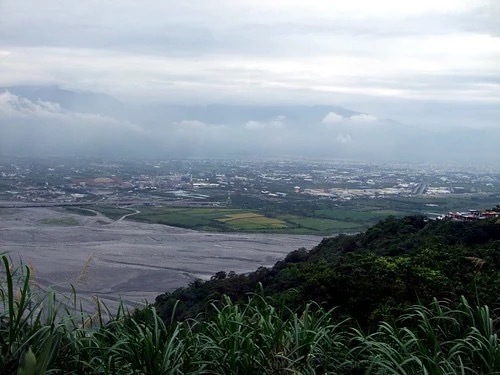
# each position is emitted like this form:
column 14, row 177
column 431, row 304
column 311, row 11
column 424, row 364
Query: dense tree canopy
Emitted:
column 369, row 276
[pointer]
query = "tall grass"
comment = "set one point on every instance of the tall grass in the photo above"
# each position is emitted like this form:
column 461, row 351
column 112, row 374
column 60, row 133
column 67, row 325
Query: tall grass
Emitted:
column 26, row 320
column 256, row 338
column 38, row 335
column 439, row 339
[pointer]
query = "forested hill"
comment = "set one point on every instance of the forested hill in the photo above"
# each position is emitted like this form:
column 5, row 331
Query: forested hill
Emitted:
column 369, row 276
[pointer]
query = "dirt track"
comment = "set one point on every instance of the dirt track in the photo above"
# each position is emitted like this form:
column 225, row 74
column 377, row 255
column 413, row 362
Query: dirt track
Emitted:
column 129, row 260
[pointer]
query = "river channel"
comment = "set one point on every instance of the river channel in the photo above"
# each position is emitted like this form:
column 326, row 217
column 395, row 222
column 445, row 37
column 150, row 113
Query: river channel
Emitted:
column 126, row 260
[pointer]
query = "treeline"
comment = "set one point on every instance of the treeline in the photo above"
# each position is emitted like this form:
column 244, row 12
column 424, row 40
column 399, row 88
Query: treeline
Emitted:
column 372, row 276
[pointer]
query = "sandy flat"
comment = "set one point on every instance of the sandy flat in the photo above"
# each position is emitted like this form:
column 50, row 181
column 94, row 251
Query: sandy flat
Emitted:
column 129, row 260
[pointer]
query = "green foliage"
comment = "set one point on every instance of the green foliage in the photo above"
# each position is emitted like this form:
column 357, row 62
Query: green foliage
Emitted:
column 242, row 220
column 369, row 276
column 113, row 213
column 440, row 339
column 80, row 211
column 26, row 321
column 251, row 338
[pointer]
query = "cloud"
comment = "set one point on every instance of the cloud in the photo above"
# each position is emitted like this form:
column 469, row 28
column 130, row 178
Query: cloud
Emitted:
column 430, row 63
column 37, row 128
column 255, row 125
column 191, row 124
column 332, row 118
column 13, row 106
column 251, row 51
column 277, row 122
column 362, row 118
column 44, row 128
column 341, row 138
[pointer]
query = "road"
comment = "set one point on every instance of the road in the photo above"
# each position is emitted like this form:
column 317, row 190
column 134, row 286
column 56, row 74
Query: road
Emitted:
column 130, row 214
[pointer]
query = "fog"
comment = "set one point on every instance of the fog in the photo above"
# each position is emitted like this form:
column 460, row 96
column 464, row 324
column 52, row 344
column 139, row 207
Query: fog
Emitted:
column 35, row 127
column 387, row 80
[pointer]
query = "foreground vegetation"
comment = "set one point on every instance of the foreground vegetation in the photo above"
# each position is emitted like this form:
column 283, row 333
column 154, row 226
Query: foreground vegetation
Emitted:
column 369, row 276
column 38, row 335
column 408, row 296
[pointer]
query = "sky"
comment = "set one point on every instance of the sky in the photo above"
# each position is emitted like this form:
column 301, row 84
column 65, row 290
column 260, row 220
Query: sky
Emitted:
column 431, row 66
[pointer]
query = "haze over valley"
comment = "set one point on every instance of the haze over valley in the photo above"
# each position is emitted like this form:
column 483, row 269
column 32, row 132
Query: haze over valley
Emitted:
column 49, row 121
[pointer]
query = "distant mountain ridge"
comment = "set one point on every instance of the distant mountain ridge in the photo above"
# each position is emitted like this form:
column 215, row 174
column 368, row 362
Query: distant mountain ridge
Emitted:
column 94, row 102
column 81, row 101
column 85, row 122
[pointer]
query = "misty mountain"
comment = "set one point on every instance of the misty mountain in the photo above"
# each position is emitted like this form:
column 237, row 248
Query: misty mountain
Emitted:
column 98, row 103
column 82, row 101
column 48, row 120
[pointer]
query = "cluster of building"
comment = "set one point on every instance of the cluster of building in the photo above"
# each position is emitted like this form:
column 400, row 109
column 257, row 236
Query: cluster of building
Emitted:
column 80, row 181
column 471, row 215
column 348, row 194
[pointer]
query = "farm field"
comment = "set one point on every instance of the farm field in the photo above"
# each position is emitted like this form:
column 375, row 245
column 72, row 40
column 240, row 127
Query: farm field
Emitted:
column 324, row 218
column 113, row 213
column 241, row 220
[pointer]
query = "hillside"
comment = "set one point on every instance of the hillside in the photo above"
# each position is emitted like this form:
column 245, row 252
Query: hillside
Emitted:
column 370, row 276
column 399, row 288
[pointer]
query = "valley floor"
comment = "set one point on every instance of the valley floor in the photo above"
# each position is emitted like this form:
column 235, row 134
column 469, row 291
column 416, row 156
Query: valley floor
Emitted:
column 129, row 260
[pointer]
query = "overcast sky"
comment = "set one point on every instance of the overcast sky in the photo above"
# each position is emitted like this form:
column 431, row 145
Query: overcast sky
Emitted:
column 428, row 63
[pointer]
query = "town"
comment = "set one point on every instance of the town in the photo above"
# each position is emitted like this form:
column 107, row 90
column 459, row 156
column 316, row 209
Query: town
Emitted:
column 52, row 181
column 252, row 183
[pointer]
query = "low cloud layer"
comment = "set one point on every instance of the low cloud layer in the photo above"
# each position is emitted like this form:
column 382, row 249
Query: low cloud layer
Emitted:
column 257, row 52
column 333, row 118
column 419, row 79
column 39, row 128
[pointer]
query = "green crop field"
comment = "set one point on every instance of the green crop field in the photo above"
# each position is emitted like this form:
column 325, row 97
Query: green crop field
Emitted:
column 80, row 211
column 113, row 213
column 220, row 219
column 322, row 225
column 224, row 219
column 323, row 218
column 353, row 215
column 193, row 218
column 247, row 221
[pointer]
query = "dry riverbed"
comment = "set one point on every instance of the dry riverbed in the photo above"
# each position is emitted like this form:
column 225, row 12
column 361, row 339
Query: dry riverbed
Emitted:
column 129, row 260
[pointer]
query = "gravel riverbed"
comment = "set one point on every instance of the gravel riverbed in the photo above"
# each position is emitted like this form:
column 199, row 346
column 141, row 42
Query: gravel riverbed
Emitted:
column 126, row 260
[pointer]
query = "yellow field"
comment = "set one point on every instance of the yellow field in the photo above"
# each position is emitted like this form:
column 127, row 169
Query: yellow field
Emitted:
column 238, row 216
column 250, row 220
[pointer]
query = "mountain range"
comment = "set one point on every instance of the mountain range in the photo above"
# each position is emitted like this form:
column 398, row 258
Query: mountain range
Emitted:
column 49, row 120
